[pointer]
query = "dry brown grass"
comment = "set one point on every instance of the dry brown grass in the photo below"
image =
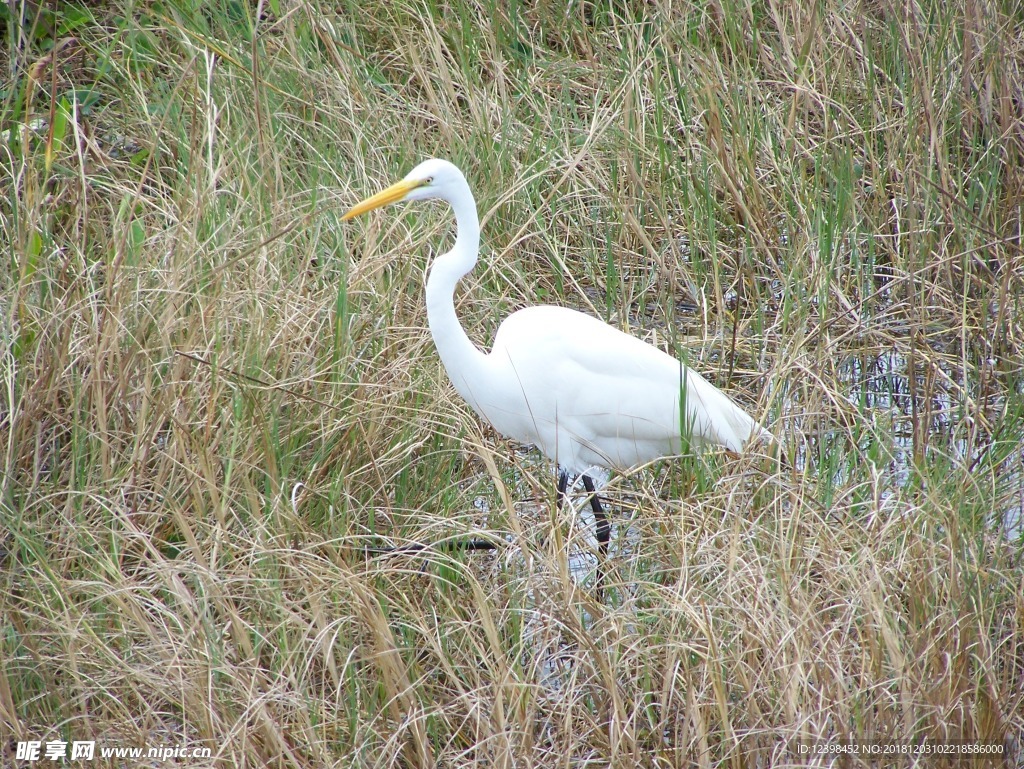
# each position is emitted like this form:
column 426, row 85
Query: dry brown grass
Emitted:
column 818, row 206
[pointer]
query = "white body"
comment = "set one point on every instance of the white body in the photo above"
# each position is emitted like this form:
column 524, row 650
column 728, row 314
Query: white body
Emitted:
column 591, row 396
column 585, row 393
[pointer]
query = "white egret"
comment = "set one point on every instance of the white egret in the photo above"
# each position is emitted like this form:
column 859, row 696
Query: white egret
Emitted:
column 586, row 394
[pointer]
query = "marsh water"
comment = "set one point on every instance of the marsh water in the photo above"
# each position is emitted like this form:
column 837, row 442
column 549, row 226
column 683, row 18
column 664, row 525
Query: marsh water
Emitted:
column 880, row 396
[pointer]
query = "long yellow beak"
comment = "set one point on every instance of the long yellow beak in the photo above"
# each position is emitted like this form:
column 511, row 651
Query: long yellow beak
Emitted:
column 392, row 194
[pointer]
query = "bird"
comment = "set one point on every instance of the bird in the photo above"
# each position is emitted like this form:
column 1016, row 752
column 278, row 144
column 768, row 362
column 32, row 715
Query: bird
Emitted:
column 591, row 397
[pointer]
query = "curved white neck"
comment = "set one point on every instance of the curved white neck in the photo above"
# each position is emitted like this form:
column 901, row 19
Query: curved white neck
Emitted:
column 461, row 358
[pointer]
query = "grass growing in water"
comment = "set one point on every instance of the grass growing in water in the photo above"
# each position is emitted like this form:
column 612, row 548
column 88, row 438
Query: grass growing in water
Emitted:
column 819, row 207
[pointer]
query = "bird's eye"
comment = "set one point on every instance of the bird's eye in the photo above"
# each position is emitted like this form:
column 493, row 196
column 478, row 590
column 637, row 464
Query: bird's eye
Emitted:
column 430, row 180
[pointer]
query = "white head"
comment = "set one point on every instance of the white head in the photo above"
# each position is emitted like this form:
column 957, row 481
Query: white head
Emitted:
column 432, row 178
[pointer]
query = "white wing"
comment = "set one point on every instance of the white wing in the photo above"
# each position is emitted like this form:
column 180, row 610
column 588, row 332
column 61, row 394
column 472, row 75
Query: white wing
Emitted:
column 588, row 394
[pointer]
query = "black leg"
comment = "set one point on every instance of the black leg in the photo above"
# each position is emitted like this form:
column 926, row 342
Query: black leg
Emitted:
column 604, row 531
